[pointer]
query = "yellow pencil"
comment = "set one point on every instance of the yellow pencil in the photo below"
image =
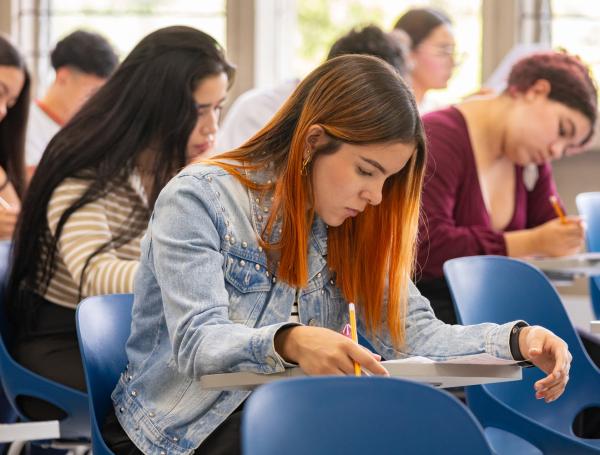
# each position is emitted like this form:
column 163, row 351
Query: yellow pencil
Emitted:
column 354, row 334
column 558, row 209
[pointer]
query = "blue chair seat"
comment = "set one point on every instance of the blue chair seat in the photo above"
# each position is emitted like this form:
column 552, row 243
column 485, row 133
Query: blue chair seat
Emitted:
column 103, row 326
column 588, row 205
column 351, row 416
column 505, row 443
column 500, row 289
column 18, row 381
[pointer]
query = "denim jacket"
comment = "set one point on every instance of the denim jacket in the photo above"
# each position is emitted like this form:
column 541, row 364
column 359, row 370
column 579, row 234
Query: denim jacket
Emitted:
column 206, row 302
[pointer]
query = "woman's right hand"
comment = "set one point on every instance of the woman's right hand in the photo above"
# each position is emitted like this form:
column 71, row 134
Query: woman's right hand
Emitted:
column 321, row 351
column 555, row 238
column 8, row 220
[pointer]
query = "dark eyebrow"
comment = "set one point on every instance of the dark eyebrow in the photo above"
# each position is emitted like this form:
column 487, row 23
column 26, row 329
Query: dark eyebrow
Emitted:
column 202, row 106
column 375, row 164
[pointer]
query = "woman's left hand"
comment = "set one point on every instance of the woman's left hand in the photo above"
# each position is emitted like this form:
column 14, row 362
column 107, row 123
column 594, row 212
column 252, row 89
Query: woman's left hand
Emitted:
column 550, row 354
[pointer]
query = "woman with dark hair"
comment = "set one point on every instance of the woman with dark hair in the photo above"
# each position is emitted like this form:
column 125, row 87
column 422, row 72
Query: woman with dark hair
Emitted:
column 89, row 203
column 489, row 177
column 432, row 46
column 251, row 258
column 14, row 108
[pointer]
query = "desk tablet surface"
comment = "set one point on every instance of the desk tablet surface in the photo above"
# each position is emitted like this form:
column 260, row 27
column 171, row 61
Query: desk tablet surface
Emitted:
column 438, row 374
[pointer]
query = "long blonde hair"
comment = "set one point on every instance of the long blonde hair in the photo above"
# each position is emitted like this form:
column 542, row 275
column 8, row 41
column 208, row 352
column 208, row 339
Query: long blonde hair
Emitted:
column 356, row 99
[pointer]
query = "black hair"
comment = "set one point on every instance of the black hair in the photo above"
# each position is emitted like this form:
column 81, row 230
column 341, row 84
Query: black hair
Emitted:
column 371, row 40
column 418, row 23
column 88, row 52
column 13, row 126
column 147, row 105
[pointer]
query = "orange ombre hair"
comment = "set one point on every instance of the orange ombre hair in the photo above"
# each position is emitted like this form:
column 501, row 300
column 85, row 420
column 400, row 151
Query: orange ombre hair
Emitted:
column 356, row 99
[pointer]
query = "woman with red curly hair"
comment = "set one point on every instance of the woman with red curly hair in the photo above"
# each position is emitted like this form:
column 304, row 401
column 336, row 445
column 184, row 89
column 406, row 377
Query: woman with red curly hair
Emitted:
column 488, row 178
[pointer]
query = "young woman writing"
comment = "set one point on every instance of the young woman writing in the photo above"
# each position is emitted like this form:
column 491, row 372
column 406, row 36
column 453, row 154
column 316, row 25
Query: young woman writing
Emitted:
column 250, row 260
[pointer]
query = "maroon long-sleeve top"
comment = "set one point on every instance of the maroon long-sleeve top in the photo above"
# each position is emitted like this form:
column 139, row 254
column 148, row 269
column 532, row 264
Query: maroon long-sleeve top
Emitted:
column 455, row 220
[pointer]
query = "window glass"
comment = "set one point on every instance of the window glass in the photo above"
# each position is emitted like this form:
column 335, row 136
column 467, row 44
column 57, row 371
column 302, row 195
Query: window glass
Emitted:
column 576, row 28
column 125, row 22
column 321, row 22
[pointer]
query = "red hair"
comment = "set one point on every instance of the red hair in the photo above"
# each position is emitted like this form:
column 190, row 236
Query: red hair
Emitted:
column 360, row 100
column 570, row 81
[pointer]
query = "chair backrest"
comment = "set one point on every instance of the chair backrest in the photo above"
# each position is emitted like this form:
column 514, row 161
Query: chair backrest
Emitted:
column 7, row 413
column 19, row 381
column 5, row 248
column 588, row 205
column 500, row 289
column 349, row 415
column 103, row 326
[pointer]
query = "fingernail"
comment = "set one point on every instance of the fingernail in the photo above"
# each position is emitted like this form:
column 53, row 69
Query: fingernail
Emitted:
column 557, row 374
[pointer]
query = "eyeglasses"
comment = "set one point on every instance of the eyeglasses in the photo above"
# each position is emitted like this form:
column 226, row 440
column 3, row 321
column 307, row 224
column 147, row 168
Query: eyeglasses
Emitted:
column 447, row 51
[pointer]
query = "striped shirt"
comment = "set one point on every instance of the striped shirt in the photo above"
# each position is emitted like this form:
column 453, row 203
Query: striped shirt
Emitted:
column 86, row 230
column 295, row 313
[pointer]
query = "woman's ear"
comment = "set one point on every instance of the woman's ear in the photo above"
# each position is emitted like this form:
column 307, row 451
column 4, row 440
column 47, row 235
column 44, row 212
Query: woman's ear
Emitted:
column 314, row 138
column 541, row 87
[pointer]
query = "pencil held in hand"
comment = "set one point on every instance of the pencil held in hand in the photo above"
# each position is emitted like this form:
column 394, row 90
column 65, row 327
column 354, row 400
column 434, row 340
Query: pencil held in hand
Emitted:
column 354, row 334
column 559, row 211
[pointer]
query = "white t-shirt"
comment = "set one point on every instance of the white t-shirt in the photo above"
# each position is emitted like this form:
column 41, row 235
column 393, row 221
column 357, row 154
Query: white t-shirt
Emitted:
column 40, row 129
column 249, row 113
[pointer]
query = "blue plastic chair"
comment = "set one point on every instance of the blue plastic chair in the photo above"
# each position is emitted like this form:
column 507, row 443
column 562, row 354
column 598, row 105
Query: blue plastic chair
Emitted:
column 103, row 326
column 351, row 416
column 19, row 381
column 7, row 413
column 588, row 205
column 500, row 289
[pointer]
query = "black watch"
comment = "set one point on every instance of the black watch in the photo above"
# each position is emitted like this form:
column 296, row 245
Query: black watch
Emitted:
column 514, row 341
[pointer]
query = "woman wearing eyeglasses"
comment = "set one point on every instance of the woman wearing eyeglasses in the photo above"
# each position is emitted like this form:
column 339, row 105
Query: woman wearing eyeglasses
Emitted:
column 14, row 108
column 89, row 202
column 432, row 49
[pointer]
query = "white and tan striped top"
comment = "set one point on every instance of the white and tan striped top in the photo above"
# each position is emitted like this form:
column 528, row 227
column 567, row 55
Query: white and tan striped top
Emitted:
column 86, row 230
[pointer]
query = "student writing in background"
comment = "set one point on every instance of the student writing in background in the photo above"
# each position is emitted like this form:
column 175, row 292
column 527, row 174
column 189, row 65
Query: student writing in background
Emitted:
column 14, row 108
column 489, row 178
column 82, row 61
column 89, row 203
column 318, row 209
